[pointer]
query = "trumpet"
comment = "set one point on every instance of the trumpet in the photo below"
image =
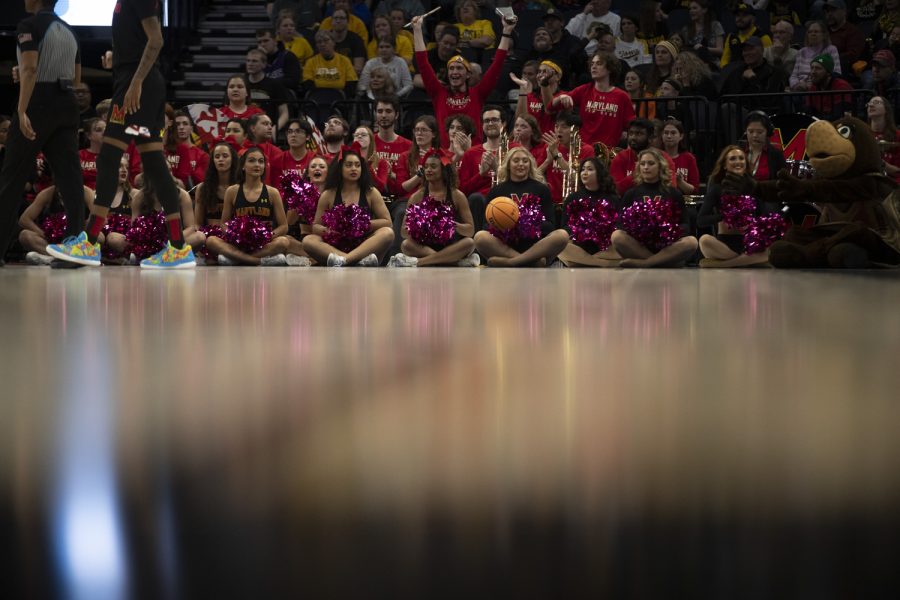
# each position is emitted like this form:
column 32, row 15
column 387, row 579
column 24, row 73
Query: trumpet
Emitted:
column 502, row 150
column 570, row 174
column 605, row 153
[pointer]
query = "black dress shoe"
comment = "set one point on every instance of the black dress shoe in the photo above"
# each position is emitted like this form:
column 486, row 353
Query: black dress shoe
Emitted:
column 64, row 264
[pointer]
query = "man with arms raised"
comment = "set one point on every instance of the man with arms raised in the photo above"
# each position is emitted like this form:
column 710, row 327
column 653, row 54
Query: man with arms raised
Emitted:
column 457, row 96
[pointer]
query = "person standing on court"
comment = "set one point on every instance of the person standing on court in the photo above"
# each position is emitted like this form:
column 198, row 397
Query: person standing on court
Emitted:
column 137, row 113
column 47, row 117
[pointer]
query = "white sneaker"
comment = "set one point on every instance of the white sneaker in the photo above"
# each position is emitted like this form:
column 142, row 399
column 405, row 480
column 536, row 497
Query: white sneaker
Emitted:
column 403, row 260
column 36, row 258
column 297, row 261
column 335, row 260
column 472, row 260
column 225, row 261
column 369, row 261
column 276, row 260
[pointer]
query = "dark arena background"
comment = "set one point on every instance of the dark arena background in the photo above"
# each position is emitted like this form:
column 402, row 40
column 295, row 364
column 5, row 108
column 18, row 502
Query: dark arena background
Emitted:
column 548, row 432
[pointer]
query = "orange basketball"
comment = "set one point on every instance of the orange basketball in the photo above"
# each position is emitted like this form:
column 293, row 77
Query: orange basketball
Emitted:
column 502, row 213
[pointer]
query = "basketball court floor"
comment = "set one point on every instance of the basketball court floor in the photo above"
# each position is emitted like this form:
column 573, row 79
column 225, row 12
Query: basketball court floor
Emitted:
column 546, row 433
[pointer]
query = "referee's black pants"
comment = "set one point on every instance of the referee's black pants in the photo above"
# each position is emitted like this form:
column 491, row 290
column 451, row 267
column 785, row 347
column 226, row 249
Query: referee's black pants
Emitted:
column 54, row 118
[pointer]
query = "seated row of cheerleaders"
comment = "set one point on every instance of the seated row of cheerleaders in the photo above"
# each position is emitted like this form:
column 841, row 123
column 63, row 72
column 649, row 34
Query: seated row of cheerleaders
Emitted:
column 335, row 216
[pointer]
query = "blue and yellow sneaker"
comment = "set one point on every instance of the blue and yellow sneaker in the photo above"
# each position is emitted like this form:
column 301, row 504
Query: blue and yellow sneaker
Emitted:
column 171, row 257
column 76, row 249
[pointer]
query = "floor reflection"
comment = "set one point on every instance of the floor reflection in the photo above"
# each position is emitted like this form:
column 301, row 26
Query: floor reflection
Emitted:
column 562, row 433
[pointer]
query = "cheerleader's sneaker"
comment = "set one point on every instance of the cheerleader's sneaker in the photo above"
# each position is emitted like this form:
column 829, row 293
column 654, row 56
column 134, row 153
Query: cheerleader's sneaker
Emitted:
column 76, row 249
column 336, row 260
column 276, row 260
column 171, row 257
column 403, row 260
column 472, row 260
column 36, row 258
column 294, row 260
column 369, row 261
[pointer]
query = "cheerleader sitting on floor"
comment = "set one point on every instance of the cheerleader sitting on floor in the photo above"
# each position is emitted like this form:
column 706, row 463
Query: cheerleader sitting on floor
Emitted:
column 450, row 243
column 252, row 199
column 726, row 248
column 145, row 203
column 652, row 218
column 519, row 177
column 37, row 224
column 349, row 183
column 594, row 186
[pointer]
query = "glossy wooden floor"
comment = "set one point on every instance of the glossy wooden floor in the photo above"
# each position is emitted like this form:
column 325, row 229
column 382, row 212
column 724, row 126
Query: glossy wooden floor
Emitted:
column 539, row 432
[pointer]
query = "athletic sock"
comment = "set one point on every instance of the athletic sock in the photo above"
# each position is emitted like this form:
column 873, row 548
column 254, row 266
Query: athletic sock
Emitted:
column 175, row 234
column 94, row 227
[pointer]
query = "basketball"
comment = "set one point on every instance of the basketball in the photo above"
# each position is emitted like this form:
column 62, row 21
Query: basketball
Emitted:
column 502, row 213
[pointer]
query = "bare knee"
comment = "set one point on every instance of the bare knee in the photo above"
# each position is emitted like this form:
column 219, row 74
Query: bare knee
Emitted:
column 619, row 237
column 688, row 242
column 560, row 236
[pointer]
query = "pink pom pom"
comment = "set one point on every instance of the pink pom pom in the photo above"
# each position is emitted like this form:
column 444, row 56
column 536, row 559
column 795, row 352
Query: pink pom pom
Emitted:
column 115, row 223
column 209, row 231
column 763, row 232
column 737, row 211
column 347, row 225
column 528, row 226
column 591, row 221
column 248, row 234
column 653, row 223
column 300, row 196
column 147, row 235
column 54, row 227
column 430, row 222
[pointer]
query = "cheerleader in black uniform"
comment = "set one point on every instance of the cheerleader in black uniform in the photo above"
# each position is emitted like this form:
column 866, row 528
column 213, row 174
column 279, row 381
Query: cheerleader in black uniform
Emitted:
column 252, row 197
column 32, row 238
column 121, row 205
column 209, row 197
column 145, row 202
column 726, row 249
column 350, row 182
column 440, row 183
column 519, row 176
column 594, row 183
column 652, row 179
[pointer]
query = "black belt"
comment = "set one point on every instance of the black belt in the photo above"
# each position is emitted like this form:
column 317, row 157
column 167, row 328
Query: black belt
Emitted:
column 65, row 85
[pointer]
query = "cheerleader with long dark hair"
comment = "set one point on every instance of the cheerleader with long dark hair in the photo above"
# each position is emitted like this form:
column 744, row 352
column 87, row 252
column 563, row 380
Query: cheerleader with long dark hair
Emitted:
column 594, row 185
column 221, row 173
column 350, row 182
column 440, row 184
column 251, row 197
column 144, row 203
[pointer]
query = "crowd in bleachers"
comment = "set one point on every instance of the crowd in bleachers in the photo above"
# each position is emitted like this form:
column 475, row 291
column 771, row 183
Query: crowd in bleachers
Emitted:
column 444, row 103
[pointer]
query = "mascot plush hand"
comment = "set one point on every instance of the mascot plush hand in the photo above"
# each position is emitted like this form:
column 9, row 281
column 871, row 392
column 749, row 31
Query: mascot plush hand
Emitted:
column 859, row 224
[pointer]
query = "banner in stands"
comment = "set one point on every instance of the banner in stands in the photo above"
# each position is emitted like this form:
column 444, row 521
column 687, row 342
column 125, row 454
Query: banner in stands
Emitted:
column 790, row 134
